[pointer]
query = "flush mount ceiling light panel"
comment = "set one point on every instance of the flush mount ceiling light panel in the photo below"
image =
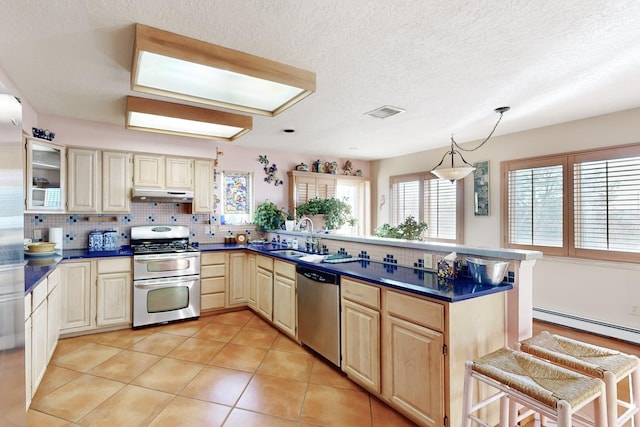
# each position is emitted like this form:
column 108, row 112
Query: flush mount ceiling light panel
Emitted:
column 180, row 67
column 177, row 119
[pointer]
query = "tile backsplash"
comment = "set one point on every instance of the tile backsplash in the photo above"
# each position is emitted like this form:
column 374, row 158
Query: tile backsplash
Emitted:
column 76, row 227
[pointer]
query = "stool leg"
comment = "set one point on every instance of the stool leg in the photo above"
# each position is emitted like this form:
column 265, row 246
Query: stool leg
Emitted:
column 601, row 410
column 611, row 393
column 468, row 393
column 564, row 414
column 634, row 378
column 504, row 411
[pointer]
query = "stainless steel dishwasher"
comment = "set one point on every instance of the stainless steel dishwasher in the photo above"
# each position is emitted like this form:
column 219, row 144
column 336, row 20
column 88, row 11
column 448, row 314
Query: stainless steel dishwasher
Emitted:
column 319, row 312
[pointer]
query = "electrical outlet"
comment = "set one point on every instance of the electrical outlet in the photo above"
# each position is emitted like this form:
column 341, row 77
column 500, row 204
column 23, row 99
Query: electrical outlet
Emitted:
column 37, row 235
column 428, row 260
column 635, row 310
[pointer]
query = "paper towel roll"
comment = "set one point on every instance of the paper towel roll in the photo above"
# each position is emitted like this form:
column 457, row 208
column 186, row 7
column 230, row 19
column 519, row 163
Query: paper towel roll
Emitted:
column 55, row 235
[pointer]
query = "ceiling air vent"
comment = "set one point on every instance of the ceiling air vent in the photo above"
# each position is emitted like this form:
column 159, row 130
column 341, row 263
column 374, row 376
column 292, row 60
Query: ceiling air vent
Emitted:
column 384, row 112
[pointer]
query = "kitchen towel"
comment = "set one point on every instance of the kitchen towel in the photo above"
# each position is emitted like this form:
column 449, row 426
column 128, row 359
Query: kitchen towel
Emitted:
column 55, row 235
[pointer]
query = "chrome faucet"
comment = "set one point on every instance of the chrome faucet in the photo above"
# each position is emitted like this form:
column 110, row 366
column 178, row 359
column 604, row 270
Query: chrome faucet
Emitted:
column 311, row 244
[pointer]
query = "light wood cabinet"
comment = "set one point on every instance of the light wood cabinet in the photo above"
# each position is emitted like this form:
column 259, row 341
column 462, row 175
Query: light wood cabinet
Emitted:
column 39, row 342
column 27, row 357
column 251, row 278
column 116, row 182
column 83, row 180
column 284, row 297
column 148, row 171
column 45, row 176
column 238, row 289
column 213, row 278
column 114, row 288
column 202, row 186
column 77, row 297
column 179, row 173
column 361, row 333
column 264, row 286
column 53, row 311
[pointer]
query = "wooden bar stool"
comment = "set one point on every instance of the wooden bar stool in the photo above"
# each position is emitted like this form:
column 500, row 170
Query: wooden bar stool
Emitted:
column 598, row 362
column 522, row 379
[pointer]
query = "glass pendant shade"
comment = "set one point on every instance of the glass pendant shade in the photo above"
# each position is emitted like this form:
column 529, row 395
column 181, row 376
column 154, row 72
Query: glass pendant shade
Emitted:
column 453, row 174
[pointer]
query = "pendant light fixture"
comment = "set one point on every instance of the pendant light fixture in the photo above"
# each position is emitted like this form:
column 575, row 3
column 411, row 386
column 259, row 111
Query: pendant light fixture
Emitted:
column 454, row 172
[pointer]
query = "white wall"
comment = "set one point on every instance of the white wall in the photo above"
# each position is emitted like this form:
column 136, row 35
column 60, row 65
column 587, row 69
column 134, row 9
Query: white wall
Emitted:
column 603, row 292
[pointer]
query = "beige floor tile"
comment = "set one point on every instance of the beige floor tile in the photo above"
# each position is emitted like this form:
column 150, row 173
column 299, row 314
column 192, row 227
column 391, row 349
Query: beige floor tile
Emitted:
column 37, row 419
column 168, row 375
column 158, row 343
column 186, row 412
column 67, row 345
column 217, row 385
column 384, row 416
column 125, row 366
column 284, row 343
column 258, row 323
column 237, row 318
column 197, row 350
column 185, row 328
column 285, row 396
column 131, row 406
column 75, row 399
column 86, row 357
column 54, row 378
column 286, row 365
column 261, row 338
column 217, row 332
column 242, row 418
column 239, row 357
column 124, row 338
column 324, row 373
column 330, row 406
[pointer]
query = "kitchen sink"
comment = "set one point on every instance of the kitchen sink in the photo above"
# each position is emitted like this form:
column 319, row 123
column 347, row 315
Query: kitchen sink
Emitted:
column 289, row 253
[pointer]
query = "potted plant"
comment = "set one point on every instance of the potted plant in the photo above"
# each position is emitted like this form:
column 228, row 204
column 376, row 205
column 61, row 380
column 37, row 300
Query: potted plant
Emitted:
column 410, row 229
column 335, row 212
column 268, row 216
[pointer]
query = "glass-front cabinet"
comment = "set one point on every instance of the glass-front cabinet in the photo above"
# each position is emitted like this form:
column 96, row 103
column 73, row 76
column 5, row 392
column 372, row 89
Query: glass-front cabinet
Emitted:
column 45, row 176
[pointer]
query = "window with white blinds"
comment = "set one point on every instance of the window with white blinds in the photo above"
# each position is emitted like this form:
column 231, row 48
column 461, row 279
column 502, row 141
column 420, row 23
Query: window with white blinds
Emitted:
column 427, row 199
column 582, row 204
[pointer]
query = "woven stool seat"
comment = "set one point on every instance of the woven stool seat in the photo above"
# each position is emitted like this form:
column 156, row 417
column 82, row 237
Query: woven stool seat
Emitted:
column 536, row 378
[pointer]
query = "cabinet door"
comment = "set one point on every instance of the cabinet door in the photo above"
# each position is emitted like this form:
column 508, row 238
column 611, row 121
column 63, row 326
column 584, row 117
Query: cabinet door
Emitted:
column 179, row 173
column 264, row 293
column 113, row 299
column 238, row 292
column 202, row 187
column 148, row 171
column 116, row 182
column 38, row 344
column 53, row 321
column 27, row 361
column 361, row 344
column 76, row 297
column 251, row 278
column 45, row 176
column 284, row 304
column 83, row 180
column 414, row 370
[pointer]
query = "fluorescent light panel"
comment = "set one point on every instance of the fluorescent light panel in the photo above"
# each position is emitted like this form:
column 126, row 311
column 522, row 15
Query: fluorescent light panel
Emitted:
column 177, row 119
column 181, row 67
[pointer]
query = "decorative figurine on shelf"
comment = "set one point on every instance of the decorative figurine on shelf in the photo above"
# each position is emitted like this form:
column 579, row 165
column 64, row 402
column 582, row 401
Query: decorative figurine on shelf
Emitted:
column 303, row 167
column 331, row 167
column 43, row 134
column 271, row 171
column 347, row 168
column 359, row 172
column 318, row 166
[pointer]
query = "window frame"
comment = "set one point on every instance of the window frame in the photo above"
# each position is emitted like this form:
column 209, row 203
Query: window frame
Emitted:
column 421, row 178
column 568, row 160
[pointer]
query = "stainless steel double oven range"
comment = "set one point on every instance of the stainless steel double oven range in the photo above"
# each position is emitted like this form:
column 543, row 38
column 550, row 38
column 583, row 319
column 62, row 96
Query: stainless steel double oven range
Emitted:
column 166, row 275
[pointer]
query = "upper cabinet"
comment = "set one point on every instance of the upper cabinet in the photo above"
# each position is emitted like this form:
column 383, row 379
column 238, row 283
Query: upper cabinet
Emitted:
column 203, row 186
column 116, row 182
column 83, row 188
column 45, row 176
column 154, row 171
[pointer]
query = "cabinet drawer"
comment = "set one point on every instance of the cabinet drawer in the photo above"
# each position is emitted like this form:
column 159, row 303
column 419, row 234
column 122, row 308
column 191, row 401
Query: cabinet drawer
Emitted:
column 212, row 301
column 207, row 258
column 114, row 265
column 212, row 270
column 285, row 269
column 212, row 285
column 53, row 279
column 359, row 292
column 39, row 294
column 264, row 262
column 416, row 310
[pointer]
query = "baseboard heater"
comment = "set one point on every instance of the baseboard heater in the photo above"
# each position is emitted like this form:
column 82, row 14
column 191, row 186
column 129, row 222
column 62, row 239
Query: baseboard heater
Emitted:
column 588, row 325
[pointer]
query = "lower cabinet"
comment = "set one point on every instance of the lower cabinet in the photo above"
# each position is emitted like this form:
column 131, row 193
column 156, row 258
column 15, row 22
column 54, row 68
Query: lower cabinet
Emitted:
column 213, row 278
column 77, row 306
column 264, row 286
column 53, row 312
column 284, row 297
column 251, row 279
column 238, row 284
column 114, row 288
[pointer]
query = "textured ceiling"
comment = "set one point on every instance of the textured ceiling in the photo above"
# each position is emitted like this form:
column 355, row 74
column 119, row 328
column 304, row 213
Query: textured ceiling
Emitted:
column 447, row 63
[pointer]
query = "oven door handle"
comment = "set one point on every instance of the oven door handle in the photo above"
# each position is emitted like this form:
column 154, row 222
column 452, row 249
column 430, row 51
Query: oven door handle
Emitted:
column 165, row 282
column 173, row 255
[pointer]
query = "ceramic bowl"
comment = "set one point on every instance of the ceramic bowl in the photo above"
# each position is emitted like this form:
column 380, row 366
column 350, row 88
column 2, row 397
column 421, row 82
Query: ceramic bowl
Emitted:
column 41, row 247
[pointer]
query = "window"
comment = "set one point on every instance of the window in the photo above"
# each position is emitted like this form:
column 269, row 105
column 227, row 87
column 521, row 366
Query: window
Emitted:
column 437, row 202
column 583, row 204
column 237, row 198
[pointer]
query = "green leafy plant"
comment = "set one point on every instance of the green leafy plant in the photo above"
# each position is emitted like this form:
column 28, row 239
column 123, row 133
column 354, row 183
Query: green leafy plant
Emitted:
column 268, row 216
column 410, row 229
column 335, row 212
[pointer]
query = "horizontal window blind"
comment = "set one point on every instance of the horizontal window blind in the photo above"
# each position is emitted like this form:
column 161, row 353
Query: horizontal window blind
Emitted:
column 607, row 204
column 406, row 200
column 440, row 208
column 535, row 206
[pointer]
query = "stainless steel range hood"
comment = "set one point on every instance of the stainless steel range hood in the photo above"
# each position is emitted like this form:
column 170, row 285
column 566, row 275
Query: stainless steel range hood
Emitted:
column 161, row 196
